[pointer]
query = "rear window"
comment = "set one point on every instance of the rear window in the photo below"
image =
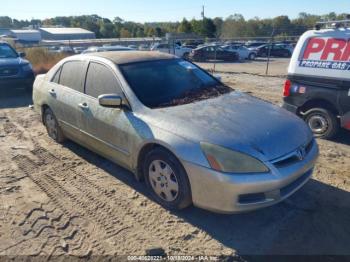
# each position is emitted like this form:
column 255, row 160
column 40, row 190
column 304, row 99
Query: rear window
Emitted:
column 73, row 75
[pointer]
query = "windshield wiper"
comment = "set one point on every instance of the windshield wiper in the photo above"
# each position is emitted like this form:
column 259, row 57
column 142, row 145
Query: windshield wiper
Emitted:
column 199, row 94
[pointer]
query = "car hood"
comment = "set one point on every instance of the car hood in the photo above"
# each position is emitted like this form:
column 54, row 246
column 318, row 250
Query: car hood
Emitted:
column 236, row 121
column 12, row 61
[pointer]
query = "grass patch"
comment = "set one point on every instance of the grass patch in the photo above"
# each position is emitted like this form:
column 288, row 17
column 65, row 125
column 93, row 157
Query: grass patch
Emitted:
column 42, row 60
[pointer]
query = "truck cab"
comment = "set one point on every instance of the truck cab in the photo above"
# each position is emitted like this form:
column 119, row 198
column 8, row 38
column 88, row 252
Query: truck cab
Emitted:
column 318, row 83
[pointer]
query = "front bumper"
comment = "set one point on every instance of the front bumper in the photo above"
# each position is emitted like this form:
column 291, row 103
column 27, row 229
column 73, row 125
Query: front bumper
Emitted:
column 234, row 193
column 26, row 80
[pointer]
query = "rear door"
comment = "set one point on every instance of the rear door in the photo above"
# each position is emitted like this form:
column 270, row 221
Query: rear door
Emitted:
column 106, row 130
column 68, row 96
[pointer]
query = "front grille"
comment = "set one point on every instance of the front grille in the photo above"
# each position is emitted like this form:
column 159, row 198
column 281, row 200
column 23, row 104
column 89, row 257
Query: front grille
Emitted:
column 8, row 71
column 251, row 198
column 292, row 158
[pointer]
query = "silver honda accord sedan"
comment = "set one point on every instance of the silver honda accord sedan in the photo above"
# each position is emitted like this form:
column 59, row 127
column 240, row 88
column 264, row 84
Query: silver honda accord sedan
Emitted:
column 190, row 137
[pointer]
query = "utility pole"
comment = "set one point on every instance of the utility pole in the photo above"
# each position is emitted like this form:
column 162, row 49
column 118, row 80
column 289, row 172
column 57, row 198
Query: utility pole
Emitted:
column 203, row 12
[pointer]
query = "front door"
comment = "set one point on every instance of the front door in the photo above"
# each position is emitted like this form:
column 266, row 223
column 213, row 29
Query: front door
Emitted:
column 107, row 131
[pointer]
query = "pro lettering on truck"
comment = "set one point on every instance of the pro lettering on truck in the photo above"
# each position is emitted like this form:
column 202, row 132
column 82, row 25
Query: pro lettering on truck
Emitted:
column 318, row 84
column 327, row 53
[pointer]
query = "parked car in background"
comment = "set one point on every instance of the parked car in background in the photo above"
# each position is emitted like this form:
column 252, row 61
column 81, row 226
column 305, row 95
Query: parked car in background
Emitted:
column 254, row 45
column 212, row 52
column 79, row 49
column 144, row 47
column 242, row 51
column 277, row 50
column 190, row 137
column 133, row 47
column 15, row 71
column 177, row 50
column 318, row 84
column 96, row 49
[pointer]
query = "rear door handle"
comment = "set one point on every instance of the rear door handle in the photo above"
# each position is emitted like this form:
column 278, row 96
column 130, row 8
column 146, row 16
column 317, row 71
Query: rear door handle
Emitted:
column 84, row 106
column 52, row 92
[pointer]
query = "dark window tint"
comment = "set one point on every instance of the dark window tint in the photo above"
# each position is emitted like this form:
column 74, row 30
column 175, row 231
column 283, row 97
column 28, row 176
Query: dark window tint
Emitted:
column 56, row 77
column 6, row 51
column 157, row 83
column 163, row 46
column 73, row 75
column 101, row 80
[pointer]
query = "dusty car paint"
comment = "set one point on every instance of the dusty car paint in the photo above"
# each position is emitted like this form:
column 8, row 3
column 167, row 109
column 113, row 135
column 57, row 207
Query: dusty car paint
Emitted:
column 236, row 121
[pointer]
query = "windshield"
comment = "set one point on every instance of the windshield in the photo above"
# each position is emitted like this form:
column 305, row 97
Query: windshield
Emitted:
column 170, row 82
column 6, row 51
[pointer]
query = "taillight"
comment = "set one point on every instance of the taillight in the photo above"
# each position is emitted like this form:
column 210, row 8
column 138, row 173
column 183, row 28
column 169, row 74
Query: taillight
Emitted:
column 287, row 87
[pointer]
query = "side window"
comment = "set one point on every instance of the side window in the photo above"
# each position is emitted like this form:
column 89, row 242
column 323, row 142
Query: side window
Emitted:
column 56, row 77
column 101, row 80
column 73, row 75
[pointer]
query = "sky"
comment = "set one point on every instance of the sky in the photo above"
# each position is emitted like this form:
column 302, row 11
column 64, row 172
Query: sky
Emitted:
column 173, row 10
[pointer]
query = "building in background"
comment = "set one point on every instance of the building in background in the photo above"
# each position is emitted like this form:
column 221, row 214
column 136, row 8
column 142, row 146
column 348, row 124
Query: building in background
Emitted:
column 5, row 32
column 65, row 33
column 26, row 36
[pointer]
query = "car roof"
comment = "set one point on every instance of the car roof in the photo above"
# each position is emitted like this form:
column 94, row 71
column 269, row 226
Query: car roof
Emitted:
column 132, row 56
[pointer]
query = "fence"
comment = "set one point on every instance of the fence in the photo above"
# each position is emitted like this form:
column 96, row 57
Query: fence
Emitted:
column 147, row 43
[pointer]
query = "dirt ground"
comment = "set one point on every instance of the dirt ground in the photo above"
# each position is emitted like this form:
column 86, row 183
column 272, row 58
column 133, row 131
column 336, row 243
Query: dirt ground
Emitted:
column 65, row 200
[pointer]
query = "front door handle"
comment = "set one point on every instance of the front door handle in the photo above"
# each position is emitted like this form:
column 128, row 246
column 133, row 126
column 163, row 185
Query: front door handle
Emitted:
column 84, row 106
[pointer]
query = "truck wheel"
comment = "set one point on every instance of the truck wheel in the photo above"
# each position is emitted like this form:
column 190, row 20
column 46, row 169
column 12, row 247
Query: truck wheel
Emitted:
column 167, row 180
column 323, row 123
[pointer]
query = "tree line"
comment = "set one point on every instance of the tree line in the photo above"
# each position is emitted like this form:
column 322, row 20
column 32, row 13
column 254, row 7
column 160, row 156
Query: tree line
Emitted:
column 233, row 26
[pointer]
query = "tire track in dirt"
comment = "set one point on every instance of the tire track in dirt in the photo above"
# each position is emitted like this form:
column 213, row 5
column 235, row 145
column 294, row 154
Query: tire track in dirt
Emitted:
column 113, row 215
column 56, row 223
column 117, row 207
column 80, row 197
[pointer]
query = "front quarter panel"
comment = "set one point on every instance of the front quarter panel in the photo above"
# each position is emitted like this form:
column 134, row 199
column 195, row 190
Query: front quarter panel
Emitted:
column 184, row 149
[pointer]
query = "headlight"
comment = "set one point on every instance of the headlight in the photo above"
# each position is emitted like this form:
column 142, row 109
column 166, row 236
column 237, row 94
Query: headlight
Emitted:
column 228, row 161
column 27, row 67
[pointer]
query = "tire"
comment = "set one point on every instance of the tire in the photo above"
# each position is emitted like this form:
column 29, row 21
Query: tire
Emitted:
column 287, row 55
column 53, row 129
column 169, row 188
column 251, row 56
column 186, row 56
column 323, row 123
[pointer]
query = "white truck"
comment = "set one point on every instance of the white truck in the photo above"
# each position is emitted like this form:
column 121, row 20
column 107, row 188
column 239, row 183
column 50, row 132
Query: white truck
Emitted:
column 318, row 84
column 176, row 49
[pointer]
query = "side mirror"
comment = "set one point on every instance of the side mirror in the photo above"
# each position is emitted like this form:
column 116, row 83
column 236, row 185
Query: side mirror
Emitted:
column 22, row 54
column 218, row 77
column 110, row 100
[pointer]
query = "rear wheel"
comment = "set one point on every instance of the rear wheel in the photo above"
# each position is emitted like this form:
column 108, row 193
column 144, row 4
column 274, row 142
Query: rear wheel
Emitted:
column 322, row 122
column 167, row 180
column 52, row 127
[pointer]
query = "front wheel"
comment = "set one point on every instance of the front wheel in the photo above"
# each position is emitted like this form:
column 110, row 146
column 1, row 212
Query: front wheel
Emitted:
column 252, row 56
column 167, row 180
column 186, row 56
column 322, row 122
